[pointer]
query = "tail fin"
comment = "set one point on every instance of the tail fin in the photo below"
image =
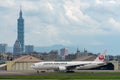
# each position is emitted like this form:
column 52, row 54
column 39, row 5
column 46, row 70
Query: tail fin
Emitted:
column 101, row 57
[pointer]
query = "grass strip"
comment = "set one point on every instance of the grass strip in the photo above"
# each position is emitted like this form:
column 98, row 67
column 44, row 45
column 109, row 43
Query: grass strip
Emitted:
column 59, row 77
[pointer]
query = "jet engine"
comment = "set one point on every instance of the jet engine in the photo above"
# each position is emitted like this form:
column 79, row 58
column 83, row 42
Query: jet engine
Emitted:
column 62, row 68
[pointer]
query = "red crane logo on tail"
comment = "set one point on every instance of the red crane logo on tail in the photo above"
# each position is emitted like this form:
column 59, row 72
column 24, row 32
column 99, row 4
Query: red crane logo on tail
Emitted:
column 101, row 57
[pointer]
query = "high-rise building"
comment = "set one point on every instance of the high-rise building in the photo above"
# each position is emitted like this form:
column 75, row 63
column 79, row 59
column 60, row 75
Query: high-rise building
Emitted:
column 17, row 50
column 20, row 30
column 29, row 48
column 63, row 52
column 3, row 48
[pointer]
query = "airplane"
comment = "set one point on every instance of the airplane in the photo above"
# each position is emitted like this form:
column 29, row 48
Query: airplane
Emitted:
column 68, row 66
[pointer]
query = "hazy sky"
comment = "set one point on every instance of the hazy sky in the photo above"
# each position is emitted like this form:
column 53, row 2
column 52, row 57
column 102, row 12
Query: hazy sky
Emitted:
column 91, row 24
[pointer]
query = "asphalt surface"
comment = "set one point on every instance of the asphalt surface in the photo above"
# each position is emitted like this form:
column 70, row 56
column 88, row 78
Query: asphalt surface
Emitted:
column 23, row 73
column 5, row 73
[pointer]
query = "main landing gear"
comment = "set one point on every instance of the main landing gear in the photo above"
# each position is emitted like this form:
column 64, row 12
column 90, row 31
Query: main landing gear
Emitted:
column 70, row 71
column 38, row 72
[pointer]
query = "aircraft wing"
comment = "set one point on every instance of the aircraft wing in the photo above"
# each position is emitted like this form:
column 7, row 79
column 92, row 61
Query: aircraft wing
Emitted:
column 70, row 67
column 2, row 65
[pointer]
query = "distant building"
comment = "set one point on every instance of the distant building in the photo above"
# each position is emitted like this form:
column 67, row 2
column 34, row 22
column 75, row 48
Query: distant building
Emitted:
column 109, row 57
column 3, row 48
column 51, row 56
column 20, row 30
column 5, row 57
column 63, row 52
column 70, row 57
column 17, row 48
column 118, row 57
column 2, row 57
column 81, row 54
column 112, row 58
column 29, row 48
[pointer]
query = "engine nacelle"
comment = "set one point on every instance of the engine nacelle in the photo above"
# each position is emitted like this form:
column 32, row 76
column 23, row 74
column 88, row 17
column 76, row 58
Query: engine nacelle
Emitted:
column 62, row 68
column 79, row 67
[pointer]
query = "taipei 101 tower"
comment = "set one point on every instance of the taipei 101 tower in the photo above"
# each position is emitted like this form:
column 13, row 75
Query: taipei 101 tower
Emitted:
column 20, row 30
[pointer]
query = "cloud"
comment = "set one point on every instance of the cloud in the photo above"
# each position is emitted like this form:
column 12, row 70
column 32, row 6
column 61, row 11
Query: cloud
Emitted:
column 7, row 3
column 99, row 1
column 50, row 6
column 115, row 24
column 47, row 34
column 68, row 22
column 76, row 16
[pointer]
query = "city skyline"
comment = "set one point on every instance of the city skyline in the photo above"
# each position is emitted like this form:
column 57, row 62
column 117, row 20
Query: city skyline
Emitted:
column 94, row 25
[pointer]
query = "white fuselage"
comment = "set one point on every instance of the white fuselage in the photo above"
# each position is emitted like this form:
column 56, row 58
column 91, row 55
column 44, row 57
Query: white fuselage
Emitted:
column 76, row 64
column 70, row 65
